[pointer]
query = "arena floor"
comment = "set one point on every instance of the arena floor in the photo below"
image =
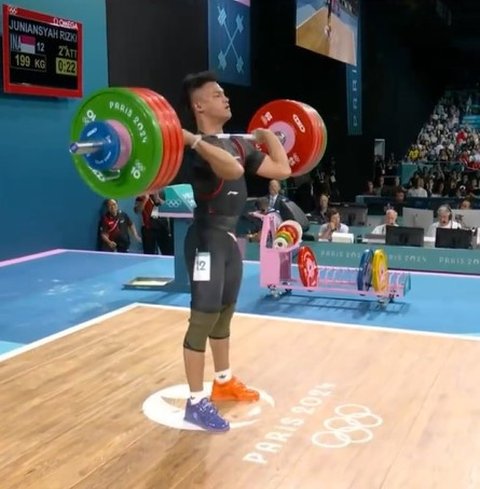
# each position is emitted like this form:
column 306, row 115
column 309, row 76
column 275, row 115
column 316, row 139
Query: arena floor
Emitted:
column 354, row 395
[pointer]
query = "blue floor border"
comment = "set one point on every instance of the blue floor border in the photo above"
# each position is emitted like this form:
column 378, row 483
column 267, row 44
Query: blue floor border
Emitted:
column 44, row 296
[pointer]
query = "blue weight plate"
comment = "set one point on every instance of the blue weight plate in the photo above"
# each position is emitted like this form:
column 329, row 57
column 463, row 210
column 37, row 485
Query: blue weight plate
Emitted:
column 364, row 275
column 105, row 158
column 407, row 284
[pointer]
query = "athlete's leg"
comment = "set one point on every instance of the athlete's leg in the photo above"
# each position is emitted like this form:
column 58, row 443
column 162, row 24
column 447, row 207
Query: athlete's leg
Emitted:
column 220, row 335
column 227, row 387
column 206, row 303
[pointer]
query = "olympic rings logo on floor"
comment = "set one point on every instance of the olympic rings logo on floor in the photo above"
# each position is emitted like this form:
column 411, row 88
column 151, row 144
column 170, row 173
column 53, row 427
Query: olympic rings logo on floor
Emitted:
column 352, row 424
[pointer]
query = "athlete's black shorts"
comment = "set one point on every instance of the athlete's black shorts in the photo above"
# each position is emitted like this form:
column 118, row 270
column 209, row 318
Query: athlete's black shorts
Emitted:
column 226, row 267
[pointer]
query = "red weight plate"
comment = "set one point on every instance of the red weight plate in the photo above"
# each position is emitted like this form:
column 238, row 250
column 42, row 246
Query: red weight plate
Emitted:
column 289, row 229
column 163, row 123
column 165, row 176
column 320, row 130
column 314, row 161
column 315, row 141
column 164, row 120
column 320, row 125
column 295, row 225
column 292, row 120
column 176, row 137
column 323, row 137
column 307, row 267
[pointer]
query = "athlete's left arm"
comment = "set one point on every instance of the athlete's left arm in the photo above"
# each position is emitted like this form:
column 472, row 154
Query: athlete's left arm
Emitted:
column 275, row 164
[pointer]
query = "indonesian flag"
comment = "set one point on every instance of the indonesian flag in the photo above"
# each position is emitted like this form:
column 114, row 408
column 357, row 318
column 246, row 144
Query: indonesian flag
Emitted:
column 27, row 44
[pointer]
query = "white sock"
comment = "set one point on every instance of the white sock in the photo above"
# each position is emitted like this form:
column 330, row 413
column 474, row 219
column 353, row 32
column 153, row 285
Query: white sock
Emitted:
column 223, row 376
column 196, row 397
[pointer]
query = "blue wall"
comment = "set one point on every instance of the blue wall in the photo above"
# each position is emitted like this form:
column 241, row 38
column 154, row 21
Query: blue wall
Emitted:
column 43, row 202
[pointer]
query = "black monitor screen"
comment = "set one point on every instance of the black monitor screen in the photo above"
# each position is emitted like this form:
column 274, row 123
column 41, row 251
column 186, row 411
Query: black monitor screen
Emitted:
column 404, row 236
column 354, row 215
column 290, row 211
column 453, row 238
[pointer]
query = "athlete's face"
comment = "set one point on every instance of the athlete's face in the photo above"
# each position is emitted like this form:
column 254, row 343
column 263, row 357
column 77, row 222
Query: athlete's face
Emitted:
column 210, row 102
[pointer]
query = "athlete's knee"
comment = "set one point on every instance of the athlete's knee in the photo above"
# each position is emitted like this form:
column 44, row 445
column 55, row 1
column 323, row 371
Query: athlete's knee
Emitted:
column 221, row 330
column 200, row 326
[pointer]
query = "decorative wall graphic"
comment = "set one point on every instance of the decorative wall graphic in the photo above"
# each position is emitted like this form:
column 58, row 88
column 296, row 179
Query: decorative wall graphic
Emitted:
column 354, row 88
column 229, row 40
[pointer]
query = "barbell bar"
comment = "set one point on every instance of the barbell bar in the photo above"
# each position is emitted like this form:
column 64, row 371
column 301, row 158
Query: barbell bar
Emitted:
column 83, row 148
column 129, row 141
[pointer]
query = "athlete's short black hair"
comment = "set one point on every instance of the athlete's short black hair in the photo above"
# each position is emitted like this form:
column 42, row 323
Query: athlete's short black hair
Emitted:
column 194, row 81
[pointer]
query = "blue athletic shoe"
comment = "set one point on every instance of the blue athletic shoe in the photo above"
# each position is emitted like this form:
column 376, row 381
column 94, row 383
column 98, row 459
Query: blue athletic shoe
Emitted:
column 205, row 415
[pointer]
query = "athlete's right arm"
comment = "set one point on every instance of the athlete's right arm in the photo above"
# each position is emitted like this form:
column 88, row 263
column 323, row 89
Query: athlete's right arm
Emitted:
column 223, row 164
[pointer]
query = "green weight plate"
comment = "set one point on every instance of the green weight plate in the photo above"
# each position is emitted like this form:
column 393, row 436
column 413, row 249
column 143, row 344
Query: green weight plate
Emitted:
column 133, row 112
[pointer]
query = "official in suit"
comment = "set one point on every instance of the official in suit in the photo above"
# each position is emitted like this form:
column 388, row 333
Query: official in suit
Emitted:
column 274, row 196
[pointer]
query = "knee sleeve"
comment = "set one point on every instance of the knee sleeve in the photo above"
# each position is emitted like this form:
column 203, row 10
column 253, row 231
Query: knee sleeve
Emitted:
column 199, row 328
column 221, row 330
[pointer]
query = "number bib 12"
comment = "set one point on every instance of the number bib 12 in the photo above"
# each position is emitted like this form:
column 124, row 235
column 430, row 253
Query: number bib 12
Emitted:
column 201, row 267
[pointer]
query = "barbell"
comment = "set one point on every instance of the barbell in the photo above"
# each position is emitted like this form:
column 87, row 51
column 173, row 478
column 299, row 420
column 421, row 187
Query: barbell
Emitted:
column 129, row 141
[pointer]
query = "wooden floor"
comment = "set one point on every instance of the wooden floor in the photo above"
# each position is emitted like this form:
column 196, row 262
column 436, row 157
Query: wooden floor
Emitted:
column 341, row 44
column 349, row 408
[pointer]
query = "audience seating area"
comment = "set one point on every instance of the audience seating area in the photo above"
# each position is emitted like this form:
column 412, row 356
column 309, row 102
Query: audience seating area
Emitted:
column 441, row 168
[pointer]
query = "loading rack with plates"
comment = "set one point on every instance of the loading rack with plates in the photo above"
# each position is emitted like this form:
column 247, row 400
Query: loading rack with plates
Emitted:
column 281, row 245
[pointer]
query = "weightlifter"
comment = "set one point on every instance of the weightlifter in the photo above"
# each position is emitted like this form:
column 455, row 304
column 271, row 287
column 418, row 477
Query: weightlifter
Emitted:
column 213, row 259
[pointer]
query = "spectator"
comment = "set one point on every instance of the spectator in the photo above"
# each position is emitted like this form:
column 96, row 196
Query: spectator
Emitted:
column 333, row 225
column 156, row 230
column 114, row 228
column 445, row 221
column 418, row 190
column 320, row 212
column 390, row 220
column 274, row 196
